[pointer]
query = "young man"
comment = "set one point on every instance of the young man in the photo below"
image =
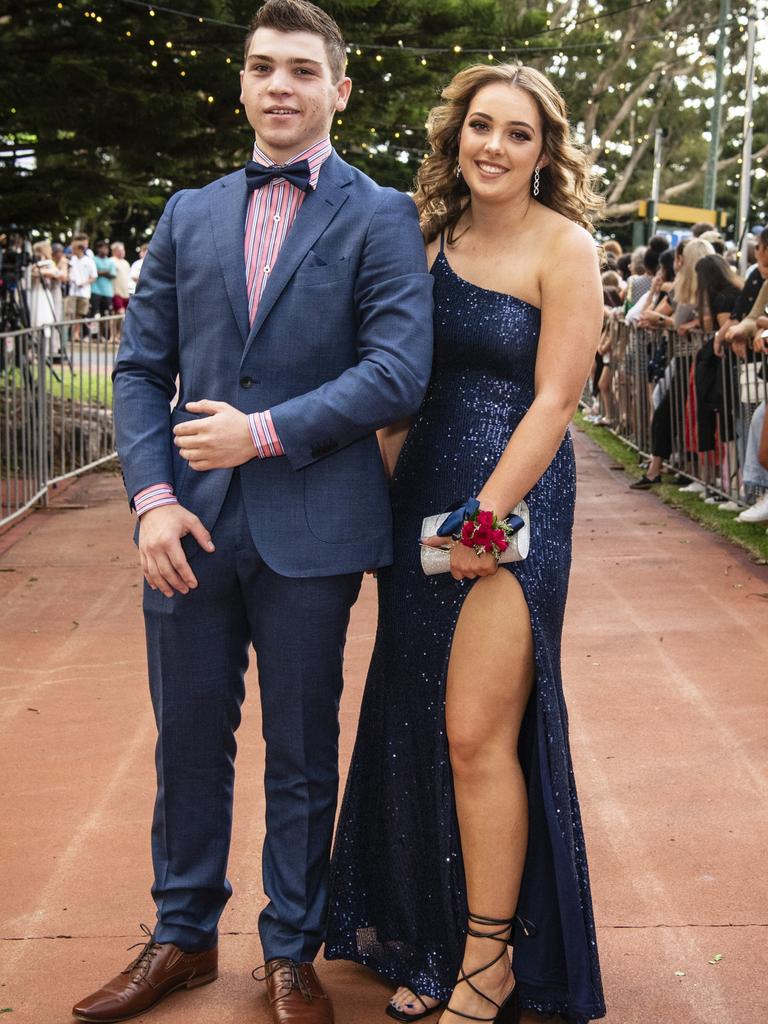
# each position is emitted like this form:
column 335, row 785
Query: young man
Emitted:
column 292, row 300
column 82, row 275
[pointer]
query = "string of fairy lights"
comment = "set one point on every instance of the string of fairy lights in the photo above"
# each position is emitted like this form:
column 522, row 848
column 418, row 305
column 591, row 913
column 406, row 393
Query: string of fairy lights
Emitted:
column 384, row 54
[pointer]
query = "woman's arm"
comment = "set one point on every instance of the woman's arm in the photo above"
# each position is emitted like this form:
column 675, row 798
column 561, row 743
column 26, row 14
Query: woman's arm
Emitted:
column 566, row 350
column 391, row 440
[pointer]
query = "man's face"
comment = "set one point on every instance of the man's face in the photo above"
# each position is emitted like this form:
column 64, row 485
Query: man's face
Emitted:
column 761, row 255
column 288, row 91
column 102, row 250
column 78, row 248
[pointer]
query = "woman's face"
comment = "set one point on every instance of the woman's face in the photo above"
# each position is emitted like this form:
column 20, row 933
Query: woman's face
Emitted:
column 501, row 143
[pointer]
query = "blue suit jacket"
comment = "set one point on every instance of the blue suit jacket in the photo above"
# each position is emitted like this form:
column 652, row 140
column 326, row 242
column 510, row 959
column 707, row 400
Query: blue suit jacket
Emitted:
column 341, row 345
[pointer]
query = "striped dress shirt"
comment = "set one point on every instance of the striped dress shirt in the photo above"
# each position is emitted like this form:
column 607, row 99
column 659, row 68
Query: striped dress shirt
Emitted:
column 271, row 213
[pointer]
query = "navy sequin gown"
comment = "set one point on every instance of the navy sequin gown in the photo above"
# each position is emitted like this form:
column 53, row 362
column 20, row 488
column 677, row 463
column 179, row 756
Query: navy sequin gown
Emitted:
column 398, row 900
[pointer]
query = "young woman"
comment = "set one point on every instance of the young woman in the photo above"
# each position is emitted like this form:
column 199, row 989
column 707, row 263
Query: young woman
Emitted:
column 460, row 831
column 676, row 312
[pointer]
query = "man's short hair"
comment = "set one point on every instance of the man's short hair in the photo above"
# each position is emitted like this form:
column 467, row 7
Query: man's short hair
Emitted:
column 698, row 229
column 302, row 16
column 80, row 237
column 762, row 238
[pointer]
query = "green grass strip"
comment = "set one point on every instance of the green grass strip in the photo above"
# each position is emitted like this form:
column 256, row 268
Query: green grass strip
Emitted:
column 749, row 536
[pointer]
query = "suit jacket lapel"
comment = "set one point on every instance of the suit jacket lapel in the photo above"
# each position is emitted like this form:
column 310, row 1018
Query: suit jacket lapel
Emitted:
column 228, row 207
column 317, row 211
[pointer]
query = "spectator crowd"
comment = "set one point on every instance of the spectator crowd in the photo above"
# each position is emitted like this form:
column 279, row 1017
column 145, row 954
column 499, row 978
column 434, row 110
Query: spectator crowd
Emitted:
column 706, row 400
column 57, row 283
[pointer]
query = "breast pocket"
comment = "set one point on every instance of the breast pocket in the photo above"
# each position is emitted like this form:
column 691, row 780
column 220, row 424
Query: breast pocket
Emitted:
column 315, row 274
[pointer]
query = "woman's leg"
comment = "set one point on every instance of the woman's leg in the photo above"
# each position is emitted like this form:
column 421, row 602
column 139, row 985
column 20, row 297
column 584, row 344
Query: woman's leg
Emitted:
column 490, row 678
column 606, row 394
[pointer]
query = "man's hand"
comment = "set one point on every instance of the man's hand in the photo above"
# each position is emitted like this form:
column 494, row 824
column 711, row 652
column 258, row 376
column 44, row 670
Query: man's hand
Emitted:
column 163, row 561
column 220, row 441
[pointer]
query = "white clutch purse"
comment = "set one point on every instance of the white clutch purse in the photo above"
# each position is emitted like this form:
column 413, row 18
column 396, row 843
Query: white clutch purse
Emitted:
column 436, row 560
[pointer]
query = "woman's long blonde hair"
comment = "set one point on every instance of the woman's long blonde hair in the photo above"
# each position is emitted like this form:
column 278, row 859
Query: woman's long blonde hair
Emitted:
column 565, row 182
column 686, row 282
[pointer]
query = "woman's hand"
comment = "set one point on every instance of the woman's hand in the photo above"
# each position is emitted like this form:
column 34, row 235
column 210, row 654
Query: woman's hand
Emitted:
column 466, row 564
column 686, row 328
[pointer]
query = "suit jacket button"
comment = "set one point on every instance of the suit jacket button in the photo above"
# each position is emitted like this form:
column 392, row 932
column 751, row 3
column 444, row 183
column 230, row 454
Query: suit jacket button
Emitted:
column 246, row 382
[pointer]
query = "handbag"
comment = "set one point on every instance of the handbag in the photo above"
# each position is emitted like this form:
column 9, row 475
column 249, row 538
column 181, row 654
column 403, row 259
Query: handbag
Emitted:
column 437, row 560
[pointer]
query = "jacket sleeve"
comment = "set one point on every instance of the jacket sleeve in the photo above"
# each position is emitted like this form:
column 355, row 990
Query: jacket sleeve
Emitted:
column 147, row 365
column 393, row 299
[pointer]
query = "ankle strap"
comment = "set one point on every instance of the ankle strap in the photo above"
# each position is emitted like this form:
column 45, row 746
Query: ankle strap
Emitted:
column 498, row 926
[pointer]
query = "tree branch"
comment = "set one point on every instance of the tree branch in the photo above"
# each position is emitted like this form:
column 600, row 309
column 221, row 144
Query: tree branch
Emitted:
column 621, row 209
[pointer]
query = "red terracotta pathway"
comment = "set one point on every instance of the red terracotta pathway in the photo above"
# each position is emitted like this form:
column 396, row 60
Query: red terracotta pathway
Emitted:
column 665, row 659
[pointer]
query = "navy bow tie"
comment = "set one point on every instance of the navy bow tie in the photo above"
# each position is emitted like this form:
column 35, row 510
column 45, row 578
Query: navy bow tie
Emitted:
column 257, row 175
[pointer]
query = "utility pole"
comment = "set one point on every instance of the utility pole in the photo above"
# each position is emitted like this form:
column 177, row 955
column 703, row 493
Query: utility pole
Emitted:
column 658, row 142
column 710, row 184
column 746, row 150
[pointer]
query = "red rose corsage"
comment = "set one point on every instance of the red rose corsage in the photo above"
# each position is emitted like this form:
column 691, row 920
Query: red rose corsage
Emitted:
column 486, row 534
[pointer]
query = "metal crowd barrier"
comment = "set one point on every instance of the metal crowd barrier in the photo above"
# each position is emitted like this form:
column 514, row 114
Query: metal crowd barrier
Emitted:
column 703, row 403
column 55, row 407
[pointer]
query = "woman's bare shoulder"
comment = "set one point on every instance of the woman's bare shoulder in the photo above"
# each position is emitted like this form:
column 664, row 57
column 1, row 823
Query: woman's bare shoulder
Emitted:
column 563, row 233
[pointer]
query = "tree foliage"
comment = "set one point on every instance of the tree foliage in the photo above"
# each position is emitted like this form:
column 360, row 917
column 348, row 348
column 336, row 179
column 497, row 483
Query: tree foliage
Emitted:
column 119, row 107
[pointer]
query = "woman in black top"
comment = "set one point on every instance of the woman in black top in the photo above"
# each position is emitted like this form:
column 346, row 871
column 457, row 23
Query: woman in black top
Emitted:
column 718, row 291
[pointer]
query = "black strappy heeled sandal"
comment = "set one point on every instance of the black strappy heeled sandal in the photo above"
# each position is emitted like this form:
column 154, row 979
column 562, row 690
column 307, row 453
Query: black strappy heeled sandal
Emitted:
column 507, row 1012
column 395, row 1014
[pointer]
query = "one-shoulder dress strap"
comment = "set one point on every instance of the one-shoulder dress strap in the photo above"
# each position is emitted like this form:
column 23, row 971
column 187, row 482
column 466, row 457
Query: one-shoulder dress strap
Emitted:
column 442, row 241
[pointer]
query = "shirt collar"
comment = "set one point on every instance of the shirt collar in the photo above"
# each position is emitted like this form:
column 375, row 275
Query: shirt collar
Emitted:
column 315, row 155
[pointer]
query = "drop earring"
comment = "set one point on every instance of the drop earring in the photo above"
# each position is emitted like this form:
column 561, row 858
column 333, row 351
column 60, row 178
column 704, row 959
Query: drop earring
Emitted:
column 536, row 185
column 458, row 169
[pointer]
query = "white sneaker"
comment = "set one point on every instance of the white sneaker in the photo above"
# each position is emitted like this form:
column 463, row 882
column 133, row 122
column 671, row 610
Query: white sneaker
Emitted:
column 758, row 513
column 728, row 506
column 693, row 488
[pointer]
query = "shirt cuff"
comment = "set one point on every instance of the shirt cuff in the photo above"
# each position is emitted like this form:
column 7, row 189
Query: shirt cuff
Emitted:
column 264, row 436
column 154, row 497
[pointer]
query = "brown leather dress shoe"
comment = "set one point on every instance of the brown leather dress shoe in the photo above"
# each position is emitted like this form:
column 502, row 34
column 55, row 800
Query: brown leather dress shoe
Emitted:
column 295, row 993
column 158, row 970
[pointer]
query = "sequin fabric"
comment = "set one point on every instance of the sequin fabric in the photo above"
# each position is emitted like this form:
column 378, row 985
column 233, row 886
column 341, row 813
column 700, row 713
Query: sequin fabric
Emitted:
column 398, row 902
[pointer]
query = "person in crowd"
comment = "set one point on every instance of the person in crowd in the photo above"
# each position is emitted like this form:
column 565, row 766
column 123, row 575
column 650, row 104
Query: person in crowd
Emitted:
column 82, row 276
column 716, row 240
column 701, row 229
column 751, row 254
column 137, row 265
column 61, row 263
column 45, row 280
column 456, row 837
column 677, row 312
column 612, row 250
column 658, row 243
column 756, row 468
column 122, row 282
column 639, row 279
column 262, row 498
column 103, row 289
column 718, row 289
column 745, row 301
column 624, row 267
column 651, row 258
column 602, row 376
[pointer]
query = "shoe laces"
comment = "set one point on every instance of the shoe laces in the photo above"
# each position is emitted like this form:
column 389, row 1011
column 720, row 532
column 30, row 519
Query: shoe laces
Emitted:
column 290, row 976
column 143, row 961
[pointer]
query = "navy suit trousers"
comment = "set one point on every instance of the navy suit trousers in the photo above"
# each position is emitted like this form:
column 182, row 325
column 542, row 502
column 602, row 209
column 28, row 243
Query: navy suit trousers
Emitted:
column 198, row 647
